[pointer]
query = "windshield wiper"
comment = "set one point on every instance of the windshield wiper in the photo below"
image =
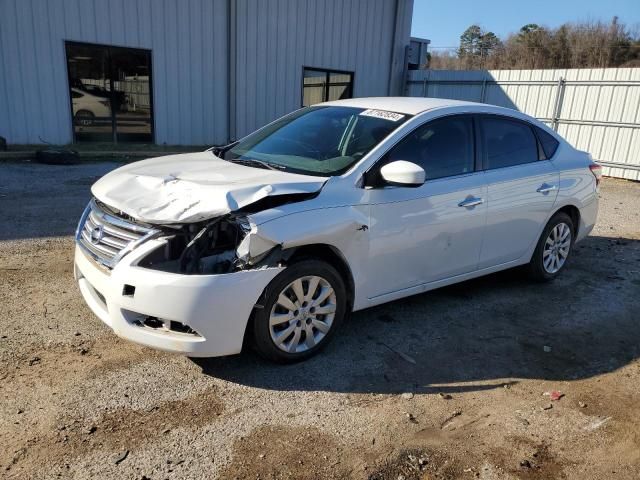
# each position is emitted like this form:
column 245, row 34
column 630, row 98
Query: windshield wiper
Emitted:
column 252, row 162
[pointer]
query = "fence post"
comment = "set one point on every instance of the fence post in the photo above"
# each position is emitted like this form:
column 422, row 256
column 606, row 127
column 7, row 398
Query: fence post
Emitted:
column 557, row 107
column 425, row 85
column 483, row 92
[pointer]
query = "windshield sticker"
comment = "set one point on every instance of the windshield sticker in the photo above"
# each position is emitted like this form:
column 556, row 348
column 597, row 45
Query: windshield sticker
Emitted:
column 392, row 116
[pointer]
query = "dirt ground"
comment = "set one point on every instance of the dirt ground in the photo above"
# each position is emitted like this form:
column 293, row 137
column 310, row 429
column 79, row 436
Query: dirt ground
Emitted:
column 448, row 384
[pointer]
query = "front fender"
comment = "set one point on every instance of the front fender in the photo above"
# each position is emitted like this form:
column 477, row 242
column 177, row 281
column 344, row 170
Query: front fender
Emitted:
column 344, row 228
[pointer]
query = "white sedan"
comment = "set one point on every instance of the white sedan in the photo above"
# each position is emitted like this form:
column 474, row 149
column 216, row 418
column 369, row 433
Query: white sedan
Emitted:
column 274, row 239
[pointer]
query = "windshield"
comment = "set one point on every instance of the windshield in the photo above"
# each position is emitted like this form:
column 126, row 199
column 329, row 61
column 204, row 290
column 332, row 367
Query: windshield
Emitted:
column 317, row 140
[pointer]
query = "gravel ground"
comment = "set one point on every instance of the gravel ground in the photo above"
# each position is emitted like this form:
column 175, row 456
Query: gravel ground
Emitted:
column 448, row 384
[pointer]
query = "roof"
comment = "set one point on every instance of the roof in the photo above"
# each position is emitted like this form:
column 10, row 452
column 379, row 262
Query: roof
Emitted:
column 408, row 105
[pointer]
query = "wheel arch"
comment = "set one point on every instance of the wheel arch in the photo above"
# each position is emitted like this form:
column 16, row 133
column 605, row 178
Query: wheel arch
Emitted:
column 333, row 257
column 574, row 214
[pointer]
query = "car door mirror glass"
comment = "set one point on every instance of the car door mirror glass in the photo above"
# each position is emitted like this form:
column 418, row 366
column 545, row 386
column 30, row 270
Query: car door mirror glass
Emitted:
column 403, row 174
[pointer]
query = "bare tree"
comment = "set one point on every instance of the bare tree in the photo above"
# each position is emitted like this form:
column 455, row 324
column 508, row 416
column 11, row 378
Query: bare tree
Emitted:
column 572, row 45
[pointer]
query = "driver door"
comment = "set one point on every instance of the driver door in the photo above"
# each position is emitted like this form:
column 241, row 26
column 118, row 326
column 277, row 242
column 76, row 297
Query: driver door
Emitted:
column 420, row 235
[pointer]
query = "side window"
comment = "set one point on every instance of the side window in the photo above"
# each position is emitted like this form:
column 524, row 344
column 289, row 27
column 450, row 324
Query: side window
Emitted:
column 549, row 144
column 443, row 147
column 507, row 143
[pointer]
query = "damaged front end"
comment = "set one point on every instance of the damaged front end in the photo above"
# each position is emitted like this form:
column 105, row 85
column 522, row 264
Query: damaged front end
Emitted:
column 208, row 248
column 225, row 244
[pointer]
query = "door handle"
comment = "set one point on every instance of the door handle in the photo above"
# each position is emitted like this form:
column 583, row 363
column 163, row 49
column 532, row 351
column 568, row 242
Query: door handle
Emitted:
column 546, row 188
column 471, row 202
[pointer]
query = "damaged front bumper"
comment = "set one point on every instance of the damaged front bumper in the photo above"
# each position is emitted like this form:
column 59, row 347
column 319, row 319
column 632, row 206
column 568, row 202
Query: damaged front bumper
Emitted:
column 196, row 315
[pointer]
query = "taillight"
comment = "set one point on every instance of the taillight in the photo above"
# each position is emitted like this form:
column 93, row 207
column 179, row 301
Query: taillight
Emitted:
column 597, row 172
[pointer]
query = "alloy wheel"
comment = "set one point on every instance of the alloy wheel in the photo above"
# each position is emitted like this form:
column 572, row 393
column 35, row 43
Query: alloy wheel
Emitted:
column 303, row 314
column 556, row 248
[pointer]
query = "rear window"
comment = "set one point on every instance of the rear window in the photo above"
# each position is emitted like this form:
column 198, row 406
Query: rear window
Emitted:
column 508, row 142
column 549, row 144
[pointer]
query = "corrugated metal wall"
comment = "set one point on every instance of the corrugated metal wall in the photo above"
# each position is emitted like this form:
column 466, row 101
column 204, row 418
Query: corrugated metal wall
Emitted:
column 188, row 39
column 596, row 110
column 275, row 39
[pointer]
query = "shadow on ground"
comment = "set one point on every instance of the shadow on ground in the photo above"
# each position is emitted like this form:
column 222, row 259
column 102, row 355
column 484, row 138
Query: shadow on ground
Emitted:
column 476, row 335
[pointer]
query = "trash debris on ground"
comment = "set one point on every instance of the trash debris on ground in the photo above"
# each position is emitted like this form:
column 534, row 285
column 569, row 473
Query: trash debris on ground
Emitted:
column 596, row 424
column 554, row 395
column 120, row 457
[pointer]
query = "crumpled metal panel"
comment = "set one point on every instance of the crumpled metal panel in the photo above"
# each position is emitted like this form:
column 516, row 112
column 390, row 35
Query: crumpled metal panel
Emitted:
column 193, row 187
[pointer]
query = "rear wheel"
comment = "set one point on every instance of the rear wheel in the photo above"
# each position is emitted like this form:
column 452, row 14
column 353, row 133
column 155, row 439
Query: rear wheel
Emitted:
column 553, row 249
column 303, row 306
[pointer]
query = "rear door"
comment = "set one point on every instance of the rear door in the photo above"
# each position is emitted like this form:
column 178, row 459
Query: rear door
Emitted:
column 522, row 188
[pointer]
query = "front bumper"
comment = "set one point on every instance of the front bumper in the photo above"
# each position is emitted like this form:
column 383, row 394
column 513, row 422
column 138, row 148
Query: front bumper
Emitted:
column 217, row 307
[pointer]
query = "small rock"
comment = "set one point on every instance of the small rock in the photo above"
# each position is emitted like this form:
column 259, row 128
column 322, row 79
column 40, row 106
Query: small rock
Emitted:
column 422, row 461
column 445, row 396
column 119, row 458
column 582, row 405
column 90, row 430
column 261, row 456
column 407, row 396
column 34, row 361
column 19, row 411
column 548, row 406
column 83, row 350
column 546, row 348
column 411, row 418
column 525, row 464
column 77, row 334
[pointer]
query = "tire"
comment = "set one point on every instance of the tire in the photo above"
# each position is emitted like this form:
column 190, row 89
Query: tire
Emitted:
column 302, row 331
column 549, row 257
column 84, row 118
column 57, row 157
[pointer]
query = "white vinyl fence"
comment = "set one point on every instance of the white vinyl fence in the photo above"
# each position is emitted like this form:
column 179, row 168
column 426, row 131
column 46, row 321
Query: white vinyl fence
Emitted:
column 596, row 110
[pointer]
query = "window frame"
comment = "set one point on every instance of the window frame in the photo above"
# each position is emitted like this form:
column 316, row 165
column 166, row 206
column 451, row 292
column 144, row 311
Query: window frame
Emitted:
column 540, row 154
column 327, row 84
column 543, row 154
column 110, row 48
column 372, row 179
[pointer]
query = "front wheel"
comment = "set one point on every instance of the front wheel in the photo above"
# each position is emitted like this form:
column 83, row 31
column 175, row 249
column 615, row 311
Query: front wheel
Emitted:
column 553, row 249
column 302, row 308
column 85, row 118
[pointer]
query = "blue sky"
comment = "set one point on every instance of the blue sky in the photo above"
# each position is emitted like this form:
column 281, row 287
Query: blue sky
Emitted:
column 443, row 22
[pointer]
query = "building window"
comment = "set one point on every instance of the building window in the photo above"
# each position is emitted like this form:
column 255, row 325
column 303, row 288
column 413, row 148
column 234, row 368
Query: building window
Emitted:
column 110, row 92
column 325, row 85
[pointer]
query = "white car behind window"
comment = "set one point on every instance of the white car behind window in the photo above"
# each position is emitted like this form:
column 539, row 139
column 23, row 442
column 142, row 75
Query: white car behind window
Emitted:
column 334, row 208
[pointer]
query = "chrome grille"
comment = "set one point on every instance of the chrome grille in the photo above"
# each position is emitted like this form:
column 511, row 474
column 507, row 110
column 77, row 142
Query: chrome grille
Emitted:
column 107, row 238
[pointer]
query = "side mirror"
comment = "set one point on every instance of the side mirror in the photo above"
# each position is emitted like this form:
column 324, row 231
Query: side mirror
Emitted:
column 403, row 174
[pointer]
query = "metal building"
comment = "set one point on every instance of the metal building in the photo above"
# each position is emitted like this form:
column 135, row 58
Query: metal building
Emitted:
column 187, row 71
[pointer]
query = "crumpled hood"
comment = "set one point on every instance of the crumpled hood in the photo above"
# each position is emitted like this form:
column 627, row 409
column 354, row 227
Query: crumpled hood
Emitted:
column 192, row 187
